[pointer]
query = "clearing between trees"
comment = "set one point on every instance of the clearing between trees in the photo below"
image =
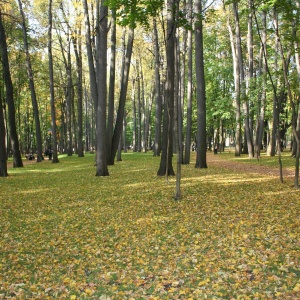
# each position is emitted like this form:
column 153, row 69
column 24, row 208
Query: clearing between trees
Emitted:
column 67, row 234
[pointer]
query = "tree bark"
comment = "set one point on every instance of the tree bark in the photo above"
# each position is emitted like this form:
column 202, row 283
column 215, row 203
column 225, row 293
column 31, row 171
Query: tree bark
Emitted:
column 201, row 96
column 134, row 147
column 90, row 56
column 52, row 96
column 189, row 90
column 139, row 111
column 122, row 99
column 32, row 88
column 242, row 81
column 238, row 136
column 158, row 97
column 293, row 106
column 3, row 156
column 17, row 159
column 101, row 149
column 262, row 104
column 77, row 43
column 166, row 167
column 112, row 79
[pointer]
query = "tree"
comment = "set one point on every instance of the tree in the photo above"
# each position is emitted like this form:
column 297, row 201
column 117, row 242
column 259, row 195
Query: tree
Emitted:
column 78, row 52
column 122, row 99
column 101, row 148
column 241, row 77
column 166, row 167
column 112, row 81
column 51, row 81
column 293, row 106
column 32, row 87
column 3, row 156
column 262, row 104
column 17, row 159
column 189, row 88
column 158, row 97
column 201, row 97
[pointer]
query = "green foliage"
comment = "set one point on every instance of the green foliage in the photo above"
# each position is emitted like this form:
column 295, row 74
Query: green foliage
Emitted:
column 133, row 12
column 66, row 234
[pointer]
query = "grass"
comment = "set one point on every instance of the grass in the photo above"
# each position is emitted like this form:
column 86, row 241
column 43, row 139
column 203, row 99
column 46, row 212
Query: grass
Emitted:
column 67, row 234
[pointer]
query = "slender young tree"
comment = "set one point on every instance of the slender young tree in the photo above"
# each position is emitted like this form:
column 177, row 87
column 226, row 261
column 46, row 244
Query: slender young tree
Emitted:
column 32, row 87
column 78, row 55
column 3, row 156
column 122, row 99
column 134, row 143
column 189, row 87
column 158, row 97
column 90, row 55
column 17, row 159
column 112, row 81
column 201, row 95
column 51, row 80
column 262, row 104
column 238, row 143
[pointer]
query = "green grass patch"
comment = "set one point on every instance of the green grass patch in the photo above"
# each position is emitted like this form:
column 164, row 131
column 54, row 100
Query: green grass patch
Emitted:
column 67, row 234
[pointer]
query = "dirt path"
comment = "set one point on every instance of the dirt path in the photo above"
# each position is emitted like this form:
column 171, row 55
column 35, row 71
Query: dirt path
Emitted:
column 218, row 160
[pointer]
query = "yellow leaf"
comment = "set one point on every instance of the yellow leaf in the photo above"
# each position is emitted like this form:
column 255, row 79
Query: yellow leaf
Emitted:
column 89, row 292
column 33, row 288
column 203, row 282
column 297, row 288
column 73, row 297
column 66, row 280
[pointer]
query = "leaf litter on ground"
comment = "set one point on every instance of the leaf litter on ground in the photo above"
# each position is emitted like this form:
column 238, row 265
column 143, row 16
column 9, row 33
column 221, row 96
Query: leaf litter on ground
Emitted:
column 67, row 234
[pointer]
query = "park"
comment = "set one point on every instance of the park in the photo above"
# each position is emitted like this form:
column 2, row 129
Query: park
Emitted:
column 149, row 149
column 68, row 234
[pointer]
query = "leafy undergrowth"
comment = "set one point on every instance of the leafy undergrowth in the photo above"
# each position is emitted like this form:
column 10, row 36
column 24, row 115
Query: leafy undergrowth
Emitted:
column 67, row 234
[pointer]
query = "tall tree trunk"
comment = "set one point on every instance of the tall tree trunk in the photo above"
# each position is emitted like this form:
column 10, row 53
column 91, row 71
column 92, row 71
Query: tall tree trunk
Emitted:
column 139, row 111
column 101, row 149
column 179, row 94
column 201, row 96
column 17, row 159
column 262, row 104
column 134, row 147
column 236, row 74
column 242, row 81
column 166, row 167
column 189, row 90
column 69, row 96
column 51, row 81
column 90, row 56
column 143, row 110
column 32, row 88
column 122, row 99
column 181, row 63
column 292, row 104
column 158, row 97
column 77, row 43
column 3, row 155
column 112, row 79
column 148, row 120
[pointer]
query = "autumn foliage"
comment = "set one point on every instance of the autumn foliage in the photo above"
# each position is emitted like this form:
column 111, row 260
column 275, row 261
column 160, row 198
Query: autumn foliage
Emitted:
column 67, row 234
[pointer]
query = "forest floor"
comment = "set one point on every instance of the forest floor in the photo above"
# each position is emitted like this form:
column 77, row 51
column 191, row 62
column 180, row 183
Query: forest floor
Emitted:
column 248, row 167
column 67, row 234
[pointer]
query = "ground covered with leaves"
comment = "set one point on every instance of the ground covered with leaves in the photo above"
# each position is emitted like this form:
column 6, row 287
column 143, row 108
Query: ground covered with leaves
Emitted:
column 67, row 234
